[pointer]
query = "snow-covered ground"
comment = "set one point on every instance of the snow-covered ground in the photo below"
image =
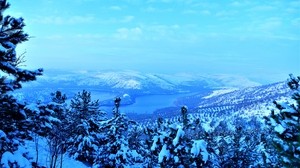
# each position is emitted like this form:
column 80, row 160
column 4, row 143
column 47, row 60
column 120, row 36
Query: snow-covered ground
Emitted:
column 220, row 92
column 44, row 155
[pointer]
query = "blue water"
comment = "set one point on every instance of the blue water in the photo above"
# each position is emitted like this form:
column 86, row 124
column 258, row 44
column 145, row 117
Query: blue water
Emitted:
column 143, row 104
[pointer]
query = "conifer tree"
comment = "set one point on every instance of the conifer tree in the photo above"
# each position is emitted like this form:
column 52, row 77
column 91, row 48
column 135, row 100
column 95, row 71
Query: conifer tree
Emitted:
column 12, row 115
column 172, row 147
column 84, row 125
column 115, row 150
column 286, row 126
column 59, row 134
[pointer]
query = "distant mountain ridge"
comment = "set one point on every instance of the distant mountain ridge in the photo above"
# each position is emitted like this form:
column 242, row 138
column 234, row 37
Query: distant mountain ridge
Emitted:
column 133, row 80
column 257, row 100
column 218, row 94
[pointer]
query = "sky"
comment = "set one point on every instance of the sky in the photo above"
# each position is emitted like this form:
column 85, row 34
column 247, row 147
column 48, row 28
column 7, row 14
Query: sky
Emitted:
column 258, row 39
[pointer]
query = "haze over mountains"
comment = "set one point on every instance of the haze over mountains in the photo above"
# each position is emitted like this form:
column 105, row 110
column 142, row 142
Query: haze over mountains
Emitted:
column 133, row 83
column 162, row 94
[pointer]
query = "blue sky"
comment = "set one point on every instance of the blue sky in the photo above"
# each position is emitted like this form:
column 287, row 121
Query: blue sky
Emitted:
column 254, row 38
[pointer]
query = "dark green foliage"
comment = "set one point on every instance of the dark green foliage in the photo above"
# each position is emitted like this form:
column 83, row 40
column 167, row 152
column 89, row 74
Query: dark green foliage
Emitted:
column 116, row 151
column 84, row 127
column 171, row 143
column 286, row 127
column 184, row 116
column 12, row 116
column 83, row 107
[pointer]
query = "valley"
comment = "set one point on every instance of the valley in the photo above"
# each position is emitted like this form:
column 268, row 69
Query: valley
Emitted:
column 147, row 96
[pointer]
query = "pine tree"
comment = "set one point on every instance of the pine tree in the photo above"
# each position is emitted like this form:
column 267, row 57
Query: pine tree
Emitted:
column 173, row 146
column 84, row 125
column 115, row 150
column 286, row 126
column 58, row 135
column 12, row 115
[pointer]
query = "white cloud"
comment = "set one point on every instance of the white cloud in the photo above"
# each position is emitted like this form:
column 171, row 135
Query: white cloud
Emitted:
column 155, row 9
column 150, row 9
column 262, row 8
column 270, row 24
column 57, row 20
column 227, row 13
column 240, row 3
column 116, row 8
column 127, row 19
column 205, row 12
column 128, row 34
column 159, row 1
column 189, row 11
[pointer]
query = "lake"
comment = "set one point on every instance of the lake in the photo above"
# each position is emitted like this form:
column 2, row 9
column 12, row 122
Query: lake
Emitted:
column 143, row 104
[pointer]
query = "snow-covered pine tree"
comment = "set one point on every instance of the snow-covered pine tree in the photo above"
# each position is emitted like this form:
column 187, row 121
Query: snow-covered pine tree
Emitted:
column 84, row 120
column 49, row 120
column 115, row 150
column 286, row 126
column 172, row 146
column 12, row 76
column 58, row 135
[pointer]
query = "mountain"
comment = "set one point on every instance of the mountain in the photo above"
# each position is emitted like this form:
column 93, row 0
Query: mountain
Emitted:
column 248, row 101
column 108, row 84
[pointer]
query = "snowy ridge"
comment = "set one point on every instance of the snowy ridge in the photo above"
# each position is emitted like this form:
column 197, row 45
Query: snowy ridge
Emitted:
column 219, row 92
column 247, row 102
column 138, row 80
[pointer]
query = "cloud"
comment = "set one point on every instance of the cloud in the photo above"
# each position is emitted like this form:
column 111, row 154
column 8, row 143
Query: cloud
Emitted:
column 128, row 33
column 116, row 8
column 127, row 19
column 270, row 24
column 226, row 13
column 159, row 1
column 262, row 8
column 57, row 20
column 191, row 11
column 152, row 9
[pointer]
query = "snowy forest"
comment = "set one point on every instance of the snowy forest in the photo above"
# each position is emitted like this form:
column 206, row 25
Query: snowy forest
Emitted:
column 81, row 131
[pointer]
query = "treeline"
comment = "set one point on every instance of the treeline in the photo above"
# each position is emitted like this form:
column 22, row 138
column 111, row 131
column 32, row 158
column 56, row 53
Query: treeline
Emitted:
column 84, row 132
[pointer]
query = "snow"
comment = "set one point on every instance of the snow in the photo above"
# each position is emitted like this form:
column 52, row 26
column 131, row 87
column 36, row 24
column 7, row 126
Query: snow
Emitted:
column 17, row 158
column 219, row 92
column 53, row 119
column 32, row 107
column 163, row 153
column 179, row 134
column 155, row 139
column 199, row 147
column 206, row 126
column 176, row 159
column 2, row 49
column 7, row 158
column 44, row 157
column 279, row 128
column 2, row 134
column 128, row 84
column 125, row 95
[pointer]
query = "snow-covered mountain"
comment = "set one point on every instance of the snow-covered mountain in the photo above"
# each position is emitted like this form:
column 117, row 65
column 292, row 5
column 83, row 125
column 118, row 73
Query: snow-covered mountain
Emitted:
column 127, row 82
column 132, row 80
column 257, row 100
